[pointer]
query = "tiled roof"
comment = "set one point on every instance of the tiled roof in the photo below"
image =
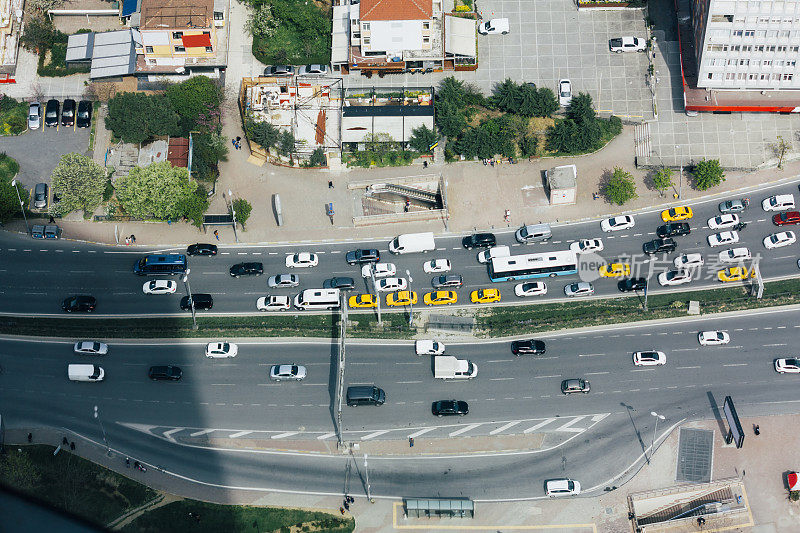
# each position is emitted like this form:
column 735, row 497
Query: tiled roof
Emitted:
column 176, row 14
column 396, row 9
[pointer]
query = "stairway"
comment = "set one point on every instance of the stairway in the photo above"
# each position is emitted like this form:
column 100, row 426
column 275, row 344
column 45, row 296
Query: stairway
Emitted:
column 402, row 190
column 694, row 507
column 642, row 141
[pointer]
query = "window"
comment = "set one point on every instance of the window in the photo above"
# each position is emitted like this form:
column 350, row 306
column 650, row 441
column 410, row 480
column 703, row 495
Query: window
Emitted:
column 365, row 40
column 426, row 25
column 738, row 33
column 759, row 48
column 783, row 34
column 180, row 49
column 735, row 48
column 791, row 63
column 177, row 35
column 148, row 49
column 744, row 62
column 749, row 33
column 787, row 77
column 729, row 76
column 209, row 49
column 426, row 40
column 747, row 48
column 219, row 15
column 767, row 63
column 761, row 34
column 365, row 26
column 710, row 76
column 781, row 49
column 740, row 76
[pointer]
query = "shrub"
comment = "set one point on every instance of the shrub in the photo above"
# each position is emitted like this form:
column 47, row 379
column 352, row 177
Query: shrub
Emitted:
column 619, row 187
column 318, row 158
column 707, row 174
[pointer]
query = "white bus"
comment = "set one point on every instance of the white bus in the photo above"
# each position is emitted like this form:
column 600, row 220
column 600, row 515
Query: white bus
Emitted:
column 541, row 265
column 317, row 299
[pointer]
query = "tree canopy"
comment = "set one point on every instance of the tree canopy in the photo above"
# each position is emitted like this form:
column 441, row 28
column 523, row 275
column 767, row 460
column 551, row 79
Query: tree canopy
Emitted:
column 158, row 191
column 707, row 174
column 422, row 138
column 620, row 187
column 136, row 117
column 9, row 203
column 79, row 182
column 193, row 98
column 243, row 209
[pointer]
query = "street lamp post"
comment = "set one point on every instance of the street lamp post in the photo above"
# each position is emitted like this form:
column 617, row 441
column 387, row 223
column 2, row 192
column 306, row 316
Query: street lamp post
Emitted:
column 96, row 415
column 366, row 479
column 189, row 294
column 680, row 173
column 375, row 289
column 410, row 299
column 21, row 205
column 233, row 214
column 653, row 443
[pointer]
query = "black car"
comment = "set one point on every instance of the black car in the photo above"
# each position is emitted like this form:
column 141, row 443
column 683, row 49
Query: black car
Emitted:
column 165, row 373
column 449, row 408
column 51, row 113
column 530, row 346
column 632, row 284
column 68, row 112
column 202, row 249
column 201, row 301
column 78, row 303
column 357, row 257
column 247, row 269
column 339, row 283
column 657, row 246
column 447, row 280
column 479, row 240
column 671, row 229
column 279, row 70
column 84, row 114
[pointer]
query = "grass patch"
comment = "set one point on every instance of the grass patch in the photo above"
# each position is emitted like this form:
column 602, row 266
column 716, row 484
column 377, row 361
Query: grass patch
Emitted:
column 191, row 515
column 8, row 167
column 13, row 117
column 52, row 61
column 302, row 37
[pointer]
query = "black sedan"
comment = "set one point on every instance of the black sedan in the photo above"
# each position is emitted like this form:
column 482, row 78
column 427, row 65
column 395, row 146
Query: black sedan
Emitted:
column 339, row 283
column 358, row 257
column 84, row 119
column 479, row 240
column 68, row 113
column 657, row 246
column 165, row 373
column 672, row 229
column 202, row 249
column 51, row 113
column 449, row 408
column 201, row 301
column 632, row 284
column 525, row 347
column 79, row 303
column 247, row 269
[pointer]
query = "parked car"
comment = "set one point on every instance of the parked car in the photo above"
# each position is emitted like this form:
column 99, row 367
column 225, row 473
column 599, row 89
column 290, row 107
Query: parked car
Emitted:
column 202, row 302
column 362, row 301
column 657, row 246
column 530, row 288
column 673, row 229
column 448, row 280
column 280, row 281
column 493, row 26
column 84, row 119
column 528, row 347
column 279, row 70
column 221, row 350
column 315, row 68
column 632, row 284
column 449, row 408
column 401, row 298
column 485, row 296
column 51, row 111
column 165, row 373
column 273, row 303
column 562, row 487
column 736, row 273
column 440, row 298
column 68, row 113
column 357, row 257
column 786, row 218
column 732, row 206
column 79, row 303
column 247, row 269
column 479, row 240
column 40, row 196
column 34, row 116
column 580, row 288
column 202, row 249
column 627, row 44
column 564, row 92
column 571, row 386
column 90, row 348
column 339, row 283
column 284, row 372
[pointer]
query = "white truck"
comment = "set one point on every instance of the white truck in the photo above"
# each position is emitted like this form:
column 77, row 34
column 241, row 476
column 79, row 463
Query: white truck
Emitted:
column 627, row 44
column 449, row 367
column 412, row 243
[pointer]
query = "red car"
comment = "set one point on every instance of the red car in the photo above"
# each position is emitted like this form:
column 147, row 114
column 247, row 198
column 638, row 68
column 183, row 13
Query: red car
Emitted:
column 786, row 218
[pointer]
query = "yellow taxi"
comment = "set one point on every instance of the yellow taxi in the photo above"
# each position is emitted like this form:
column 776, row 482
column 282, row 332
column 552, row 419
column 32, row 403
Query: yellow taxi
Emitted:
column 363, row 300
column 399, row 298
column 737, row 273
column 485, row 296
column 615, row 270
column 440, row 298
column 676, row 213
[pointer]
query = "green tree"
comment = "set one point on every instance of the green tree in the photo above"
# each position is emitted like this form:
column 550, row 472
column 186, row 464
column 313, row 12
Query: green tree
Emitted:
column 262, row 133
column 157, row 191
column 707, row 174
column 208, row 150
column 243, row 210
column 779, row 148
column 136, row 117
column 560, row 136
column 452, row 91
column 194, row 205
column 193, row 98
column 79, row 182
column 286, row 142
column 528, row 100
column 580, row 109
column 318, row 158
column 9, row 203
column 18, row 471
column 450, row 119
column 662, row 179
column 546, row 102
column 620, row 187
column 528, row 145
column 422, row 138
column 39, row 34
column 507, row 96
column 260, row 21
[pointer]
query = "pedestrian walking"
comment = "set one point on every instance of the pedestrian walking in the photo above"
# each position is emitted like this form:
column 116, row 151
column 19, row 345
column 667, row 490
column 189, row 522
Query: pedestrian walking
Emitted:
column 346, row 504
column 127, row 462
column 127, row 241
column 133, row 239
column 756, row 430
column 52, row 220
column 72, row 446
column 64, row 441
column 233, row 142
column 30, row 438
column 238, row 139
column 351, row 499
column 341, row 510
column 330, row 184
column 216, row 234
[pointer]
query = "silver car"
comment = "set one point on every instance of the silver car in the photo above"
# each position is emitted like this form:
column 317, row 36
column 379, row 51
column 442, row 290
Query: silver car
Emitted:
column 40, row 196
column 731, row 206
column 581, row 288
column 313, row 69
column 285, row 372
column 90, row 348
column 34, row 116
column 447, row 280
column 283, row 280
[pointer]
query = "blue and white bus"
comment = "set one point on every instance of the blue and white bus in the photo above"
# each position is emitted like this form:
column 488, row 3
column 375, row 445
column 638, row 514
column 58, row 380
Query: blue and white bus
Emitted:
column 528, row 266
column 157, row 264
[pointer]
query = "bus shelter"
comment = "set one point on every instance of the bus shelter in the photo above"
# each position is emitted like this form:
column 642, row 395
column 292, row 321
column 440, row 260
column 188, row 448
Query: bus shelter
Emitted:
column 439, row 507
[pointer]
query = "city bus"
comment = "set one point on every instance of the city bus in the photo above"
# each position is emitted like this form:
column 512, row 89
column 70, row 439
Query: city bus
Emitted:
column 157, row 264
column 527, row 266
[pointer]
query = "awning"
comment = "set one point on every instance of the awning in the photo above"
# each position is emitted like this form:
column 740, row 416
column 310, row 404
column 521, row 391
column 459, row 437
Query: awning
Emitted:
column 460, row 37
column 794, row 482
column 195, row 41
column 129, row 7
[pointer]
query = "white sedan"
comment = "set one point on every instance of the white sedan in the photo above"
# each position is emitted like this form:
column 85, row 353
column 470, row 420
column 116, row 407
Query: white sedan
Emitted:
column 564, row 92
column 221, row 350
column 302, row 260
column 392, row 284
column 723, row 238
column 723, row 221
column 90, row 348
column 530, row 288
column 779, row 240
column 281, row 372
column 688, row 261
column 617, row 223
column 713, row 338
column 273, row 303
column 428, row 347
column 160, row 286
column 652, row 358
column 674, row 277
column 787, row 366
column 382, row 270
column 734, row 255
column 584, row 246
column 437, row 265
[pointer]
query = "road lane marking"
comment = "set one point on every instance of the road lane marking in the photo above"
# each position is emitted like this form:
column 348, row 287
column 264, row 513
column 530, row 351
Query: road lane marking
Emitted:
column 568, row 426
column 601, row 416
column 736, row 364
column 407, row 382
column 596, row 373
column 545, row 377
column 777, row 344
column 685, row 350
column 420, row 432
column 686, row 367
column 198, row 433
column 505, row 427
column 500, row 361
column 589, row 354
column 284, row 435
column 464, row 430
column 239, row 434
column 326, row 436
column 498, row 379
column 537, row 426
column 375, row 434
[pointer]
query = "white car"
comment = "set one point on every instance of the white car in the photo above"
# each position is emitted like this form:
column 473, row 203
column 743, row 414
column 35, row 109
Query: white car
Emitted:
column 688, row 261
column 487, row 255
column 273, row 303
column 382, row 270
column 302, row 260
column 734, row 255
column 584, row 246
column 617, row 223
column 437, row 265
column 281, row 372
column 34, row 116
column 674, row 277
column 562, row 487
column 428, row 347
column 713, row 338
column 779, row 202
column 723, row 238
column 787, row 366
column 723, row 221
column 493, row 26
column 90, row 348
column 283, row 280
column 627, row 44
column 392, row 284
column 160, row 286
column 221, row 350
column 651, row 358
column 580, row 288
column 779, row 240
column 564, row 92
column 530, row 288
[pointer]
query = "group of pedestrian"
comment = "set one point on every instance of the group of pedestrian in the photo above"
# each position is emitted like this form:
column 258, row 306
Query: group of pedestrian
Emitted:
column 346, row 505
column 237, row 143
column 130, row 240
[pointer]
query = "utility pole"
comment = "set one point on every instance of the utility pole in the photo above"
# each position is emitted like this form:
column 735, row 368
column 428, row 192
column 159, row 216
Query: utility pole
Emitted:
column 233, row 214
column 189, row 294
column 340, row 370
column 653, row 443
column 646, row 283
column 366, row 479
column 21, row 205
column 410, row 299
column 97, row 417
column 680, row 173
column 375, row 289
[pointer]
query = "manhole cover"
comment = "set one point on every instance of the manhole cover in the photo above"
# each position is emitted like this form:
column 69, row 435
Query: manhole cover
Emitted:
column 695, row 453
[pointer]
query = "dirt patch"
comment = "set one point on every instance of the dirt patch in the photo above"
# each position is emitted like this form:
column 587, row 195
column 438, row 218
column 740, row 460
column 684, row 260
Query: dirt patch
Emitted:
column 481, row 114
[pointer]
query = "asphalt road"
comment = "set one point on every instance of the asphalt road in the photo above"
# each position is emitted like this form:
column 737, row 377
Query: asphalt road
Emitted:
column 46, row 272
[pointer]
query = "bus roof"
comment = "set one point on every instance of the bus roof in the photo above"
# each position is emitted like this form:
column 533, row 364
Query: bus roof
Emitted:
column 165, row 258
column 543, row 259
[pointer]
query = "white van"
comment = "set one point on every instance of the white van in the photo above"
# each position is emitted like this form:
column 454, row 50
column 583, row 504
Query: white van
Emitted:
column 412, row 243
column 317, row 299
column 779, row 202
column 495, row 251
column 85, row 373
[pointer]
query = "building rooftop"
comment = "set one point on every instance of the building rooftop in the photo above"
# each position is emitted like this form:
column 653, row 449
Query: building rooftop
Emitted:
column 176, row 14
column 396, row 9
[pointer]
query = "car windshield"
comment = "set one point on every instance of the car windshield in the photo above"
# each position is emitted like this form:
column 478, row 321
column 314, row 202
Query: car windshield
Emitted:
column 793, row 362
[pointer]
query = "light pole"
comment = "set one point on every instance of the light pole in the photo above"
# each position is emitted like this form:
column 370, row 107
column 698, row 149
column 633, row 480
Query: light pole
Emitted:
column 377, row 294
column 366, row 478
column 410, row 299
column 653, row 443
column 21, row 205
column 680, row 173
column 189, row 294
column 97, row 417
column 233, row 214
